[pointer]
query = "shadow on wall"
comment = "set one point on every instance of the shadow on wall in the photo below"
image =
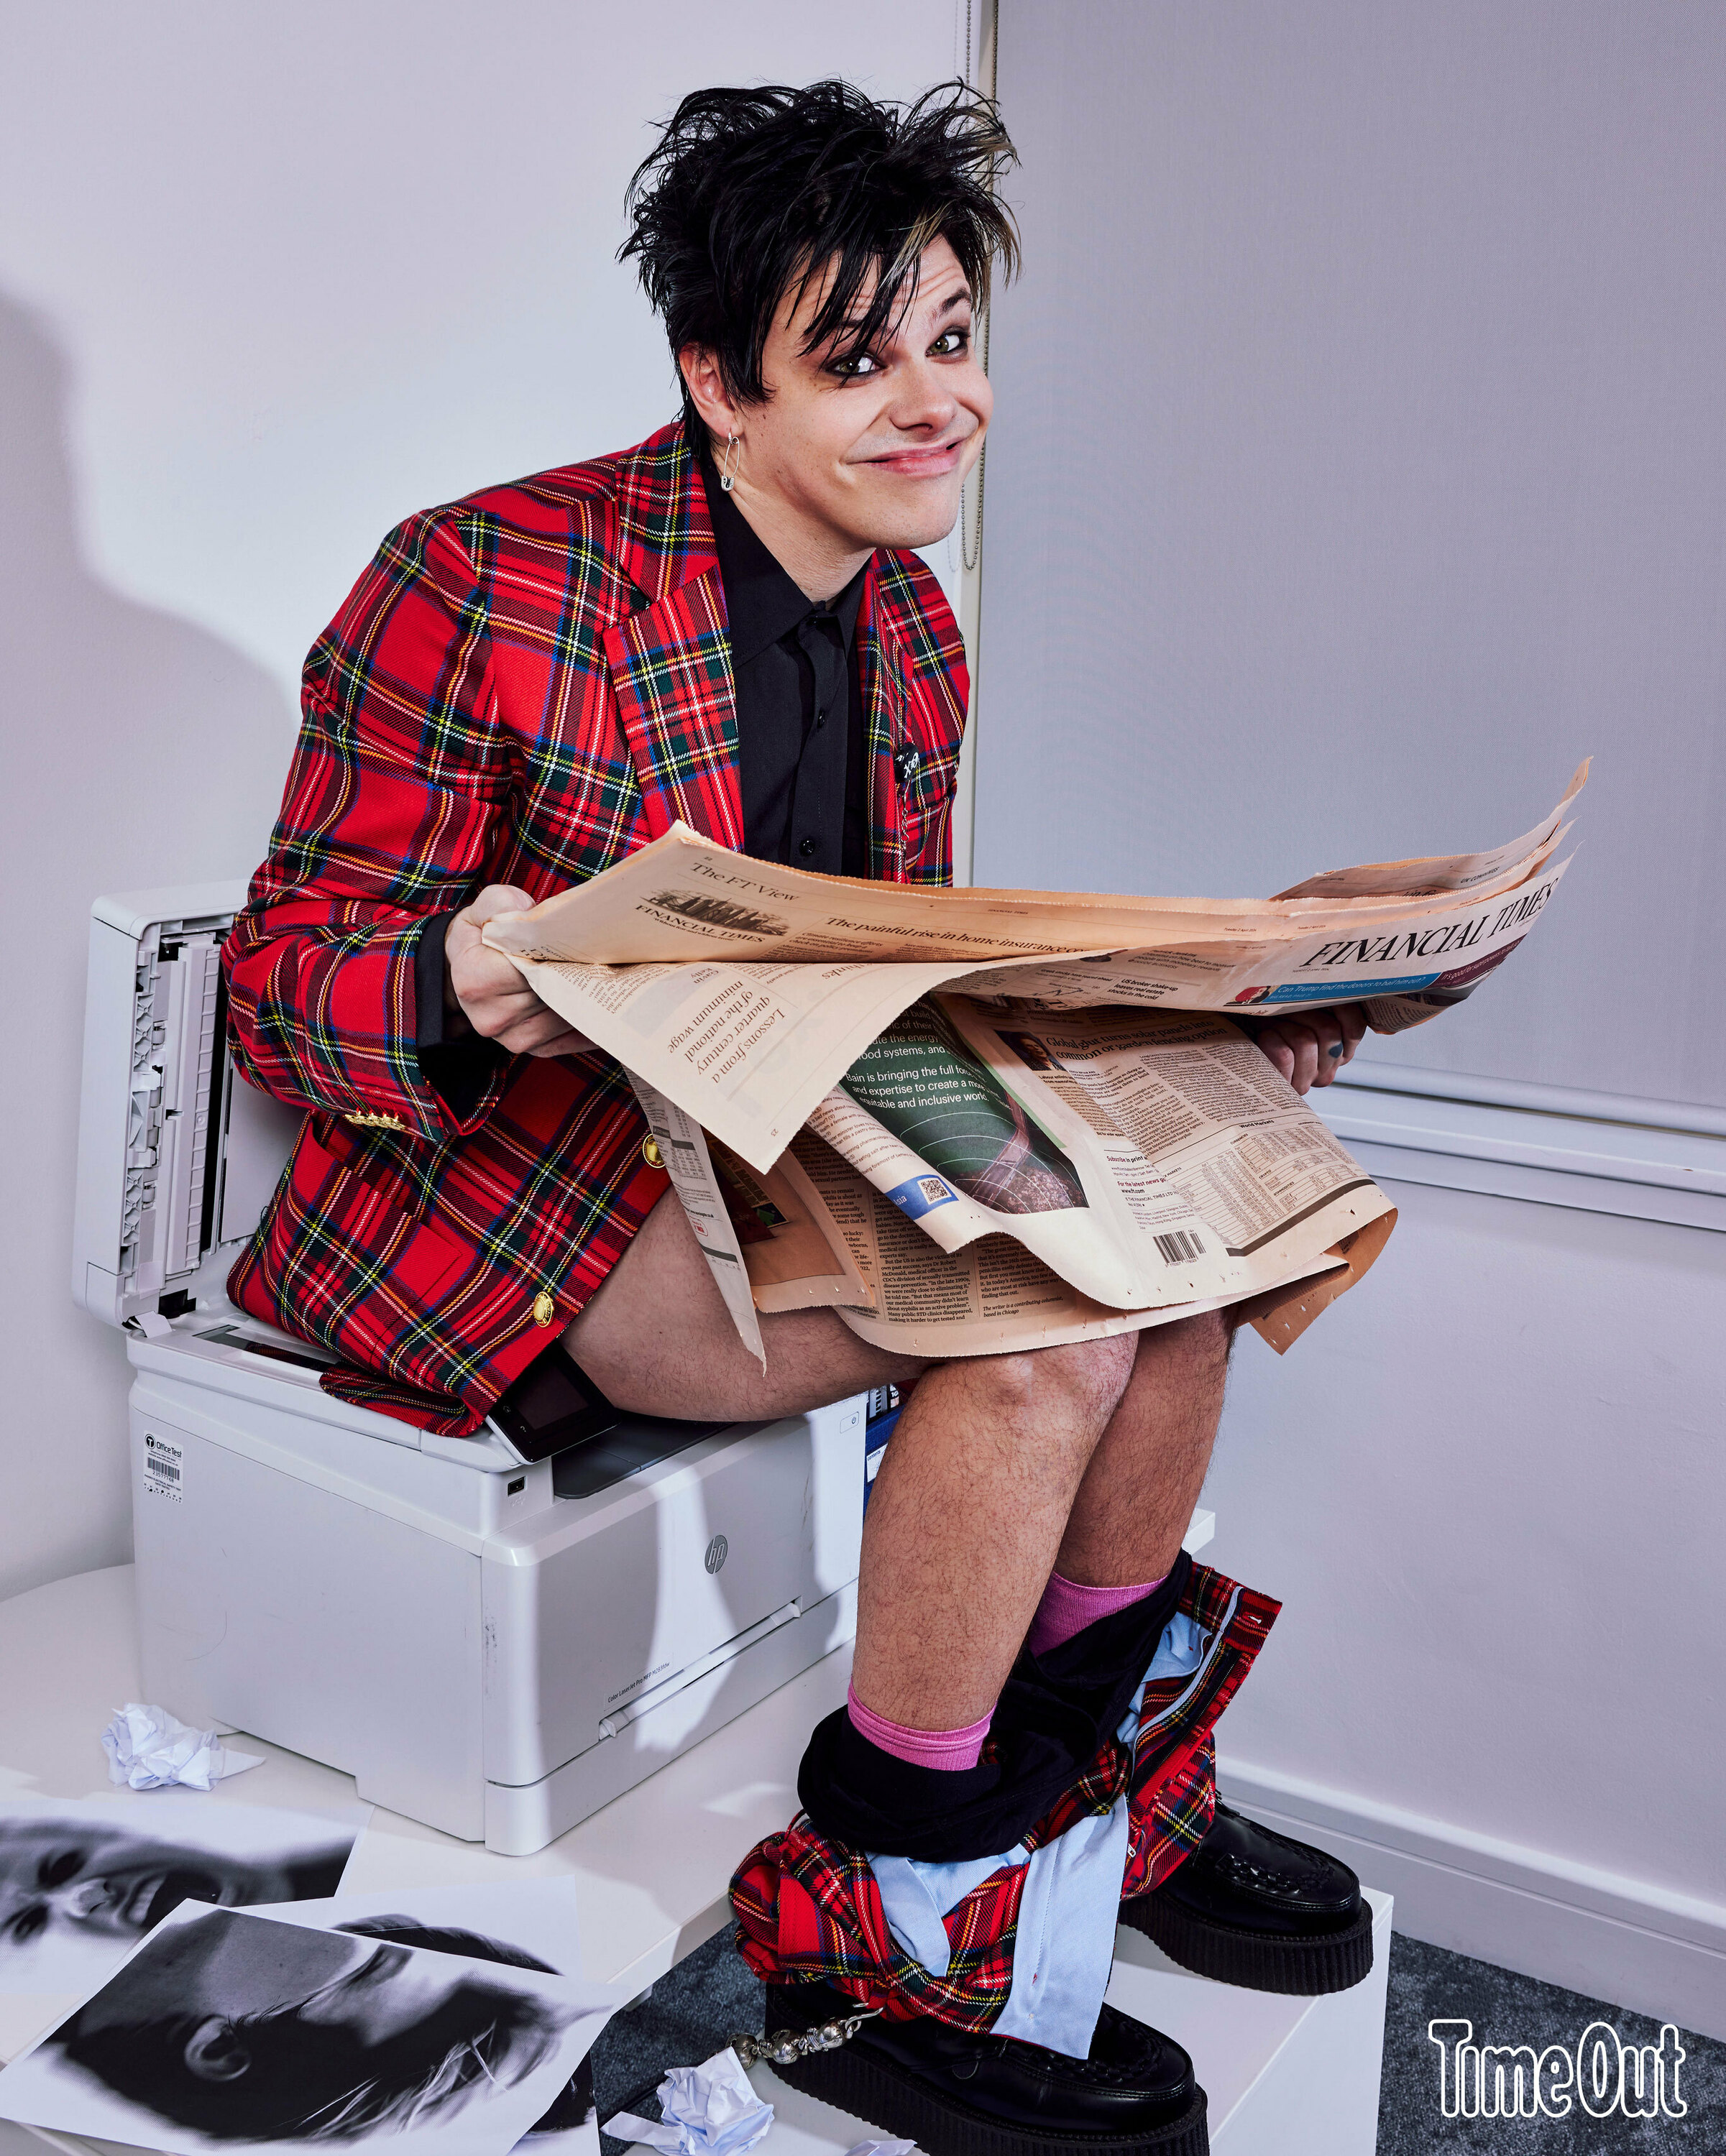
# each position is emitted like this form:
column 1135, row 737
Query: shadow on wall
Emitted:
column 139, row 750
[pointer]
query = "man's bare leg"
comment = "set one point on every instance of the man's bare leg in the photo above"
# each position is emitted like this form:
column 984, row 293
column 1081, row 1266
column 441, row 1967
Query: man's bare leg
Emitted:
column 1136, row 1502
column 658, row 1339
column 997, row 1469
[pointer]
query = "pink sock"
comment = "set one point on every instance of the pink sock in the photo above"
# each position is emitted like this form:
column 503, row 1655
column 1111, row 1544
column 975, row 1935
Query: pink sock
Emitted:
column 1067, row 1608
column 950, row 1749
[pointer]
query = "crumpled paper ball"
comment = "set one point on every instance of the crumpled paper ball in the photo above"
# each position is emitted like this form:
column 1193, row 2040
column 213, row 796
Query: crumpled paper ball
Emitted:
column 148, row 1748
column 710, row 2110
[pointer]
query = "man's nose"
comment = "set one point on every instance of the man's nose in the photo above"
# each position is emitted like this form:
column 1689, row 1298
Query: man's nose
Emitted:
column 926, row 402
column 79, row 1899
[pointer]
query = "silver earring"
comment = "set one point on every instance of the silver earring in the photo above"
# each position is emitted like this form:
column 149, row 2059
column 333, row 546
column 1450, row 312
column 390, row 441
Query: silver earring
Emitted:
column 727, row 477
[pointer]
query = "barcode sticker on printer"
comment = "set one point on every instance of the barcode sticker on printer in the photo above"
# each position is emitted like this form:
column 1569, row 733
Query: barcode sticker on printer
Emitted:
column 164, row 1467
column 1180, row 1246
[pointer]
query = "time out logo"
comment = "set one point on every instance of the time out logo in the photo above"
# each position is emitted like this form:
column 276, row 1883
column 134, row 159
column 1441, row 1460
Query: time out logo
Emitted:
column 1601, row 2076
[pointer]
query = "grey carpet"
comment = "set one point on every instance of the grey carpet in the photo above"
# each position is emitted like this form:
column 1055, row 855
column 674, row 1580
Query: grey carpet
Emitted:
column 712, row 1996
column 708, row 1998
column 1429, row 1984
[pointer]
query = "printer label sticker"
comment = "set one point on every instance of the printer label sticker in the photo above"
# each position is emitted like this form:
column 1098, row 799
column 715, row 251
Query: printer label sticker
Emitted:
column 164, row 1468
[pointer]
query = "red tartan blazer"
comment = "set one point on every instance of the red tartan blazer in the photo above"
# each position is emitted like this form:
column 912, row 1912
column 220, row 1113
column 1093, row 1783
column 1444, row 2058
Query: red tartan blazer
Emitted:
column 522, row 686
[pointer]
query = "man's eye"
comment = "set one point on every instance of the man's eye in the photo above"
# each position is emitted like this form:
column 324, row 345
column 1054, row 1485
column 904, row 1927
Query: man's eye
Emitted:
column 856, row 365
column 55, row 1870
column 951, row 343
column 27, row 1924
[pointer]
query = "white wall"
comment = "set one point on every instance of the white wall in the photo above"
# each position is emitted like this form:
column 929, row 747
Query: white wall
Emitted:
column 1488, row 1486
column 1360, row 461
column 270, row 280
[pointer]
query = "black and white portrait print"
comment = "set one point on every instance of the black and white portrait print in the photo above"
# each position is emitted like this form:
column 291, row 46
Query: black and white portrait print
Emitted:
column 80, row 1883
column 226, row 2029
column 523, row 1923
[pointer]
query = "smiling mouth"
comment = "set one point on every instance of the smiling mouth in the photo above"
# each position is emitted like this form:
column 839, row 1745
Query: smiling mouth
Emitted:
column 148, row 1900
column 940, row 456
column 133, row 1910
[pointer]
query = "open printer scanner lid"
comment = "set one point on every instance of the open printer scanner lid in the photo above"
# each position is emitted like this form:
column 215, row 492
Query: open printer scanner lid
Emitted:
column 177, row 1157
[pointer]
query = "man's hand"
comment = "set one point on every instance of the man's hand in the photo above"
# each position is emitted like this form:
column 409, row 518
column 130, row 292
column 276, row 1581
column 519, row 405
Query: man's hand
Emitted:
column 1311, row 1050
column 481, row 986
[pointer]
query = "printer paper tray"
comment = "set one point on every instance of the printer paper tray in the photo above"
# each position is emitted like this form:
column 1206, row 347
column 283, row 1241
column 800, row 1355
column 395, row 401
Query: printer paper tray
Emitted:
column 757, row 1661
column 611, row 1725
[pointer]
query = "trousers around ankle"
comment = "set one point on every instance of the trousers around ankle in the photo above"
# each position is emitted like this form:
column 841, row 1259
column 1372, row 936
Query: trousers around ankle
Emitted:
column 1054, row 1713
column 809, row 1905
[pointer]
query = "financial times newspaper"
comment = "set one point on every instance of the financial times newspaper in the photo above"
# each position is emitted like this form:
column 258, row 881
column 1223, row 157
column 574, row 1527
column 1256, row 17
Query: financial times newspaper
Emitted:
column 972, row 1119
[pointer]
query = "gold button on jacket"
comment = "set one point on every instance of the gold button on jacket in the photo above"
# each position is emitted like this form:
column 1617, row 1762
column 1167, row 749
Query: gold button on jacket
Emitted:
column 544, row 1308
column 650, row 1153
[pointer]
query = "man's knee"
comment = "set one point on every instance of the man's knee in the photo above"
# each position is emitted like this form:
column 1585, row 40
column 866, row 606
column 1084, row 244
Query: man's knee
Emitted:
column 1079, row 1385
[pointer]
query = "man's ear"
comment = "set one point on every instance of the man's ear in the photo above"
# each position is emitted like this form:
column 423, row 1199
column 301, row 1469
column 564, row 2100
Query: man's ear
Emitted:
column 707, row 392
column 214, row 2052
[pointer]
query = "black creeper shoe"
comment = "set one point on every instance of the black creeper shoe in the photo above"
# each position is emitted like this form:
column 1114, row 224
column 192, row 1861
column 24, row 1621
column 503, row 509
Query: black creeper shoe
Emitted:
column 960, row 2095
column 1251, row 1907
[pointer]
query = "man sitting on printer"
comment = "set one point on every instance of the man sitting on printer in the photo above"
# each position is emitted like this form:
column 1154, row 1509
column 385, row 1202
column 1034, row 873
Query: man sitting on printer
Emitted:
column 726, row 624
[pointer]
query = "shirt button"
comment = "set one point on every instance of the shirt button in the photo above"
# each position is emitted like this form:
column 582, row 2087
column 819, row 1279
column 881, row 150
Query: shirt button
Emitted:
column 544, row 1308
column 806, row 847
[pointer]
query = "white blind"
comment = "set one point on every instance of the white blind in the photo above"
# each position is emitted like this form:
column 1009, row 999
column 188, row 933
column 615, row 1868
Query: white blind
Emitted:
column 1359, row 463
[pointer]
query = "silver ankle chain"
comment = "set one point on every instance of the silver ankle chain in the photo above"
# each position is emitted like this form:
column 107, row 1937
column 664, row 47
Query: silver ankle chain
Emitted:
column 785, row 2049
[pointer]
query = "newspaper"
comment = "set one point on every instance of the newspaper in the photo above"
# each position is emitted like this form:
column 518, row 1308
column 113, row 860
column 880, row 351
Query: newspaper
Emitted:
column 976, row 1183
column 743, row 991
column 973, row 1121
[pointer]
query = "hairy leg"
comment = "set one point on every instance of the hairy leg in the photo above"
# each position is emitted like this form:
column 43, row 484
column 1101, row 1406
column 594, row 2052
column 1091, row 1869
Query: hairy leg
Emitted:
column 658, row 1339
column 1143, row 1480
column 971, row 1504
column 967, row 1515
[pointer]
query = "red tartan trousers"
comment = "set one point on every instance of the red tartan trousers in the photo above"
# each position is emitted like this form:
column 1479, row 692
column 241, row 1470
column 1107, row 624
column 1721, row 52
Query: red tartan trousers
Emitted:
column 809, row 1908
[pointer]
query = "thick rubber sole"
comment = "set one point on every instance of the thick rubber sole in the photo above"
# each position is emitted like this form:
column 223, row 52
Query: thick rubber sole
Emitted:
column 1234, row 1954
column 902, row 2104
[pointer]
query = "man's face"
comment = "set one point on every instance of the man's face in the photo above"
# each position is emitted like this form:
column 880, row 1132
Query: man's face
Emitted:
column 874, row 448
column 102, row 1881
column 223, row 1968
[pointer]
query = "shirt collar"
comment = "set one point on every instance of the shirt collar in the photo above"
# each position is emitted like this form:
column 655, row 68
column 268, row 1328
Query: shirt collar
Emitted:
column 761, row 601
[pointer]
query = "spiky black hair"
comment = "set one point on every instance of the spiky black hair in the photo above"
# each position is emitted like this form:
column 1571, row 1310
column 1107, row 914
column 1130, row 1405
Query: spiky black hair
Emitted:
column 750, row 194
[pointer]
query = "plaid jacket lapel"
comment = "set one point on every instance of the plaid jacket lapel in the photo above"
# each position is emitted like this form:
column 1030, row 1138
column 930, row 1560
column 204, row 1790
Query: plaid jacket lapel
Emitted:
column 670, row 664
column 883, row 672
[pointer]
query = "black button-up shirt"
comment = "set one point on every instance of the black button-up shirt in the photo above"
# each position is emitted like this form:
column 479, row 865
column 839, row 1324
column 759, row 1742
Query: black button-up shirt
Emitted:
column 803, row 757
column 802, row 750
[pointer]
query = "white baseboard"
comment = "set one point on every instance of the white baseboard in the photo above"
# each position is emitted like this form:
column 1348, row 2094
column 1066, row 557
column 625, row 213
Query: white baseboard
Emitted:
column 1635, row 1945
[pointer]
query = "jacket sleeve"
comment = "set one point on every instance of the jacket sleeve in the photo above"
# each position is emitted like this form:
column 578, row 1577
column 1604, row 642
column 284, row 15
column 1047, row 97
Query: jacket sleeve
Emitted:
column 393, row 808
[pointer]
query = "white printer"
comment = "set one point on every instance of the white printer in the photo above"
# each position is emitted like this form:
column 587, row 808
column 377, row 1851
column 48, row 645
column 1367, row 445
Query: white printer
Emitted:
column 494, row 1634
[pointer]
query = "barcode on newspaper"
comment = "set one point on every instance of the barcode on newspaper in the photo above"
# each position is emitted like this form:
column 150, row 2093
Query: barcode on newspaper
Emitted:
column 1180, row 1246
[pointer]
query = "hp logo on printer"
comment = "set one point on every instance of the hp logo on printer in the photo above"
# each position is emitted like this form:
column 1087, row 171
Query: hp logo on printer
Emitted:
column 717, row 1551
